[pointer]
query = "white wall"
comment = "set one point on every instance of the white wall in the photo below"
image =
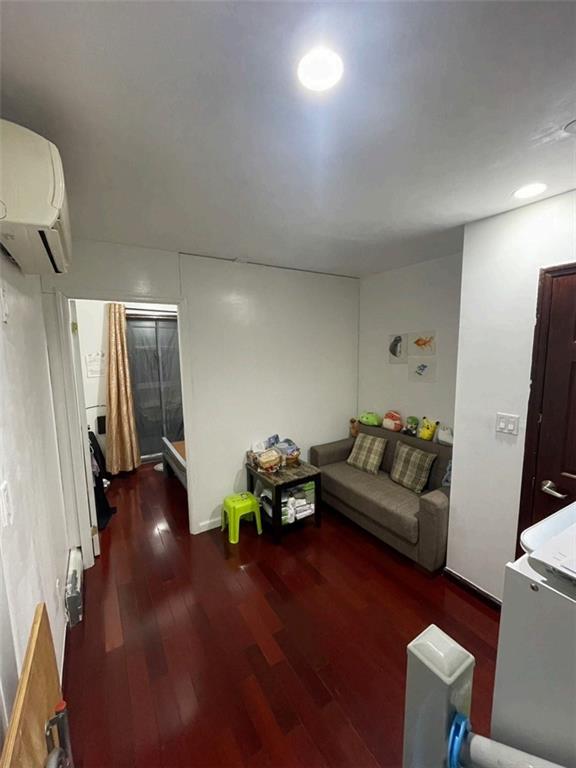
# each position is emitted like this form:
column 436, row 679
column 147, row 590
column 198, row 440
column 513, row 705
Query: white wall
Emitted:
column 501, row 263
column 417, row 298
column 93, row 337
column 262, row 350
column 105, row 270
column 33, row 547
column 271, row 351
column 8, row 666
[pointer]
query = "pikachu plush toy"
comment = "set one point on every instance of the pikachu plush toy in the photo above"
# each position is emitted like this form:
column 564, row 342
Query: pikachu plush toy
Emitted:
column 427, row 428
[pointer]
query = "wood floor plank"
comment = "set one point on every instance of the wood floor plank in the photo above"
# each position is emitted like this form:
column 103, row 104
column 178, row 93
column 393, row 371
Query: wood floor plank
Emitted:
column 229, row 752
column 144, row 723
column 261, row 633
column 284, row 714
column 195, row 653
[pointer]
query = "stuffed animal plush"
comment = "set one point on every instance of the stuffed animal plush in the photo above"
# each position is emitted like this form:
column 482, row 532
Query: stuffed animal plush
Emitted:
column 370, row 419
column 411, row 427
column 354, row 428
column 392, row 420
column 445, row 435
column 427, row 428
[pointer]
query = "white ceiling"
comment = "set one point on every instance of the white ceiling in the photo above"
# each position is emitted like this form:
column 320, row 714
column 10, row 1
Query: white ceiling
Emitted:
column 182, row 126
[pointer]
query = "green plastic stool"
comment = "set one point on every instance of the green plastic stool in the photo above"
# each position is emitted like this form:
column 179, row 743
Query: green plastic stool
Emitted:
column 236, row 506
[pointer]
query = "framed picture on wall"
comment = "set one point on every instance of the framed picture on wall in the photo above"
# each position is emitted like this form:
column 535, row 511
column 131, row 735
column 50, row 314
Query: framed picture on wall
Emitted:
column 422, row 369
column 422, row 343
column 397, row 348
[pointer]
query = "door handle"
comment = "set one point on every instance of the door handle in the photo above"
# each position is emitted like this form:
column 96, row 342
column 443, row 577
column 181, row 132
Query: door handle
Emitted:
column 550, row 488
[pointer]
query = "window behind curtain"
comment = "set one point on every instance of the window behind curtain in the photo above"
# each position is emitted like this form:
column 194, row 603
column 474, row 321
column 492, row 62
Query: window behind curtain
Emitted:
column 156, row 387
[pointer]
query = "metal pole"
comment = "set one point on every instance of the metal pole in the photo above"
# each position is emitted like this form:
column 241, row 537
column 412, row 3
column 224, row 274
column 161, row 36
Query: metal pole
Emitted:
column 479, row 752
column 63, row 727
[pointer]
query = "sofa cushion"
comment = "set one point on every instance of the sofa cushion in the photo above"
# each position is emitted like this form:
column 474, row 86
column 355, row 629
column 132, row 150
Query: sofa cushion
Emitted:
column 367, row 453
column 375, row 496
column 411, row 467
column 444, row 452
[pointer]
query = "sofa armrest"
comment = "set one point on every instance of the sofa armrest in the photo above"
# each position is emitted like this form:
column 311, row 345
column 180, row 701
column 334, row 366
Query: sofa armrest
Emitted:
column 433, row 529
column 330, row 453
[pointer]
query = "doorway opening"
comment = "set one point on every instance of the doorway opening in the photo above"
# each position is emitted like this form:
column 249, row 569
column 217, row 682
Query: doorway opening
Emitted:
column 549, row 472
column 127, row 364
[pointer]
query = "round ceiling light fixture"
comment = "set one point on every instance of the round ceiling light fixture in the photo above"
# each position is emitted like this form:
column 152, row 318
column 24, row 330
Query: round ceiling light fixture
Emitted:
column 320, row 69
column 533, row 189
column 571, row 127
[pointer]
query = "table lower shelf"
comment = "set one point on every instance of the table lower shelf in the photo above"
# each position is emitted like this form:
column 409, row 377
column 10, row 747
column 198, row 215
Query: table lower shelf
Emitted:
column 276, row 489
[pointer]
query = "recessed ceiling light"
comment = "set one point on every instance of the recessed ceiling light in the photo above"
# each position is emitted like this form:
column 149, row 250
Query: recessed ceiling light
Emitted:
column 320, row 69
column 530, row 190
column 571, row 127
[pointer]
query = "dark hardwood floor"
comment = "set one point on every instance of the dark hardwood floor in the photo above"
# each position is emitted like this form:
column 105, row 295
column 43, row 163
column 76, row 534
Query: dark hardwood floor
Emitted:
column 194, row 652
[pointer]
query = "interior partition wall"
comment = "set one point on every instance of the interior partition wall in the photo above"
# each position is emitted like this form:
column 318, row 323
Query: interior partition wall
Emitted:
column 156, row 385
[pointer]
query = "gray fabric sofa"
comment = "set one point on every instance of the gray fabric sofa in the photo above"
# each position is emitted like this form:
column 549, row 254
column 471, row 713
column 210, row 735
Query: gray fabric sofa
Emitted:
column 415, row 525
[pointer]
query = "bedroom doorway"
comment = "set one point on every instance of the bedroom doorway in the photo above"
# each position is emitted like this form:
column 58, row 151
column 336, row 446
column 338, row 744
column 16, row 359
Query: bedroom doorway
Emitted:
column 77, row 341
column 129, row 352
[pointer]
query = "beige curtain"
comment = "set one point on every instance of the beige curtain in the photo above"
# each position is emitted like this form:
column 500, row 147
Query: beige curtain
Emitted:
column 122, row 449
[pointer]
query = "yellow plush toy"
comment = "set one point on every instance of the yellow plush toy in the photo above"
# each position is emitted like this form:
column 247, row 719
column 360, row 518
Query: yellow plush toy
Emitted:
column 427, row 428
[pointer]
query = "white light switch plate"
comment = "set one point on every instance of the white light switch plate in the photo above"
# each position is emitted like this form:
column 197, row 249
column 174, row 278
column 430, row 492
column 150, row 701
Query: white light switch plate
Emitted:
column 507, row 423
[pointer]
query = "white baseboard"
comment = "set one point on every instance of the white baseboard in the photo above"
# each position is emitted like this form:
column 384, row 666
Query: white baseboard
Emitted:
column 207, row 525
column 473, row 586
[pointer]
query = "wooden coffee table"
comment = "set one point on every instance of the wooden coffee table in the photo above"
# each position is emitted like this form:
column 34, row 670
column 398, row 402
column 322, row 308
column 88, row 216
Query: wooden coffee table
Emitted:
column 281, row 481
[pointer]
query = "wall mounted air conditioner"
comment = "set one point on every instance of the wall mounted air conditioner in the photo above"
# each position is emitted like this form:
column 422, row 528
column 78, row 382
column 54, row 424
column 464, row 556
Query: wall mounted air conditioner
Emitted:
column 34, row 226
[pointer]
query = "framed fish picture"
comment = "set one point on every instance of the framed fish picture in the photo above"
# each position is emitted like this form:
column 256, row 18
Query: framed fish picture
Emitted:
column 397, row 348
column 422, row 344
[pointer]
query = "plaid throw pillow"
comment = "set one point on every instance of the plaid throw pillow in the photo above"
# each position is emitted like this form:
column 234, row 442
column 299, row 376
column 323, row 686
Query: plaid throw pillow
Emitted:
column 367, row 453
column 411, row 467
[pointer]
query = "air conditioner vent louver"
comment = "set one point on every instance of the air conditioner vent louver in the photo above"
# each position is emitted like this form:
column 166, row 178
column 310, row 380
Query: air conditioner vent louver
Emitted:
column 48, row 251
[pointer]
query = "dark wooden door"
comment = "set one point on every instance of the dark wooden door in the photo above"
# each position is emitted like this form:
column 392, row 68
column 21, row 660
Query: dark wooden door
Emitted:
column 550, row 463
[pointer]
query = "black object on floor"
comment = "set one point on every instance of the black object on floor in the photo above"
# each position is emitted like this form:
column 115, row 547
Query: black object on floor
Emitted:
column 103, row 509
column 98, row 455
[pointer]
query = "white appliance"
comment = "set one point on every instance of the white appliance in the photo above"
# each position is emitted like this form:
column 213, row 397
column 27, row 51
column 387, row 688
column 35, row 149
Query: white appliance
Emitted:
column 34, row 225
column 534, row 706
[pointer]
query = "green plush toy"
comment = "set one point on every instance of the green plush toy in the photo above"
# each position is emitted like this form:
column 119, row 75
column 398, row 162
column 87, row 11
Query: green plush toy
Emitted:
column 411, row 427
column 370, row 419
